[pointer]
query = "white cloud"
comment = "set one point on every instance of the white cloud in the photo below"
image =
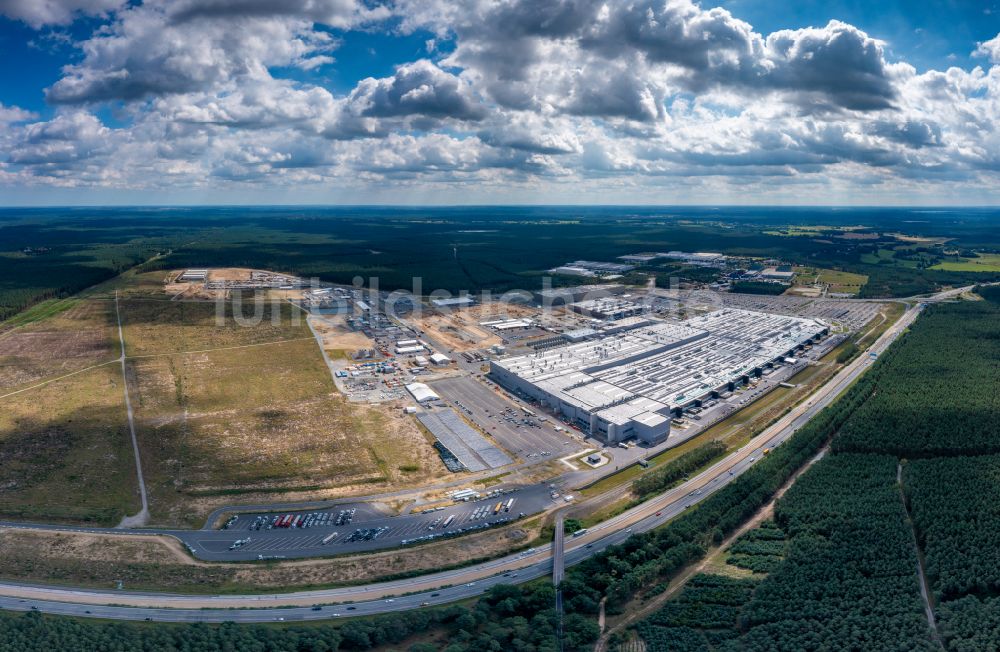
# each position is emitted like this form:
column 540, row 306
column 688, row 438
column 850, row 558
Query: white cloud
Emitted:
column 989, row 49
column 163, row 47
column 567, row 97
column 39, row 13
column 9, row 114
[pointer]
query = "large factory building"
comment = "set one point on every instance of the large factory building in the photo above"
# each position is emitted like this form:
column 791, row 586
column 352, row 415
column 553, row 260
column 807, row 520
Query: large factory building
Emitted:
column 631, row 384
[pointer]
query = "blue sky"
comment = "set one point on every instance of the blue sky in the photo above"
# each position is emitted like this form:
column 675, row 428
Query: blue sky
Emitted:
column 930, row 34
column 499, row 101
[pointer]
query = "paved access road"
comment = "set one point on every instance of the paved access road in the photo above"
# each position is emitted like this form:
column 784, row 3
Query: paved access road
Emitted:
column 367, row 530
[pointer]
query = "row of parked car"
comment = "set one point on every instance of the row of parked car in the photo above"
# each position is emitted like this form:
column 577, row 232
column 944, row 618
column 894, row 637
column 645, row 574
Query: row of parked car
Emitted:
column 293, row 521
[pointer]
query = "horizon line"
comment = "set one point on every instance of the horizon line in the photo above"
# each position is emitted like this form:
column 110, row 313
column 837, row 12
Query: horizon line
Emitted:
column 513, row 205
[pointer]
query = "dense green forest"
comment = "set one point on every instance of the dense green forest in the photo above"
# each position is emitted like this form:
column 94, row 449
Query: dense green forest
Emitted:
column 703, row 616
column 760, row 550
column 970, row 624
column 26, row 279
column 849, row 578
column 48, row 253
column 954, row 501
column 759, row 287
column 937, row 393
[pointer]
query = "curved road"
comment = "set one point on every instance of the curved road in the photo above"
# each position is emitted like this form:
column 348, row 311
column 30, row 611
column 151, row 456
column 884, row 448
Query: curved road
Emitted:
column 447, row 586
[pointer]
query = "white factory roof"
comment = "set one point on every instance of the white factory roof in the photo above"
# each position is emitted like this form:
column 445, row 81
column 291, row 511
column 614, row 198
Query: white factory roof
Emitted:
column 421, row 393
column 651, row 419
column 578, row 334
column 453, row 301
column 667, row 363
column 624, row 324
column 405, row 350
column 605, row 305
column 572, row 270
column 512, row 323
column 622, row 414
column 439, row 358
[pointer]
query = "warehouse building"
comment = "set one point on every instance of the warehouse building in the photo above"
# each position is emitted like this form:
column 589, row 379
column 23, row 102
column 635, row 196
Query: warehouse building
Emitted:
column 578, row 334
column 507, row 324
column 607, row 308
column 592, row 268
column 562, row 296
column 194, row 275
column 421, row 393
column 453, row 302
column 778, row 273
column 630, row 385
column 701, row 258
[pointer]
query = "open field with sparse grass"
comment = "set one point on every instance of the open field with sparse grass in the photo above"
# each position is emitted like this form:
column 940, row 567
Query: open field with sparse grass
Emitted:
column 161, row 563
column 837, row 281
column 154, row 325
column 72, row 335
column 982, row 263
column 65, row 452
column 227, row 411
column 237, row 413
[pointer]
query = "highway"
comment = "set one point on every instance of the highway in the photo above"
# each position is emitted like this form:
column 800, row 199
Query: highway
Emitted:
column 447, row 586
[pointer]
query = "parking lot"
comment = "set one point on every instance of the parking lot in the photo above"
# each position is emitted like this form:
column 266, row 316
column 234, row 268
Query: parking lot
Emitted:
column 328, row 531
column 851, row 314
column 506, row 422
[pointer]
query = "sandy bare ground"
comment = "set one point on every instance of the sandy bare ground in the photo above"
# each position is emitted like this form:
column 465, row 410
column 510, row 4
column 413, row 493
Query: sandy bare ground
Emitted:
column 460, row 331
column 455, row 334
column 337, row 335
column 229, row 274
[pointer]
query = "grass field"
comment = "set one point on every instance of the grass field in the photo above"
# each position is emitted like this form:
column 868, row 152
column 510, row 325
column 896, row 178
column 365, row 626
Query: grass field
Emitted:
column 248, row 414
column 227, row 411
column 154, row 325
column 983, row 263
column 65, row 452
column 836, row 280
column 61, row 337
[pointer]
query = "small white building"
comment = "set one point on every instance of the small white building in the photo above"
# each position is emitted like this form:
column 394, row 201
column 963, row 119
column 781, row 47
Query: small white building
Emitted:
column 421, row 392
column 440, row 359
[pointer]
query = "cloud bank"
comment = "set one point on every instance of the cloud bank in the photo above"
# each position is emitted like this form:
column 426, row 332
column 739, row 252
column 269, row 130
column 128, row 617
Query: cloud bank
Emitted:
column 655, row 100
